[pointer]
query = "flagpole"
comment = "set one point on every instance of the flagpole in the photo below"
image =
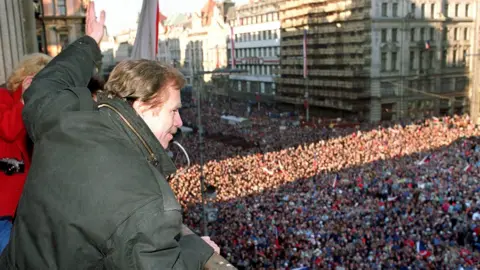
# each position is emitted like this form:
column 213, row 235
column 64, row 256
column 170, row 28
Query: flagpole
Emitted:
column 306, row 98
column 305, row 74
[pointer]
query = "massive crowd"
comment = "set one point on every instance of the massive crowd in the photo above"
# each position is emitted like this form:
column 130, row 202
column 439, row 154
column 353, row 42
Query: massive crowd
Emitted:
column 394, row 196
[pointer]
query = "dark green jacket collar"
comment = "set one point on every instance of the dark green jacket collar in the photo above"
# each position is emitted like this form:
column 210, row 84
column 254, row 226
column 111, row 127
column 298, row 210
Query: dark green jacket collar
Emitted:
column 140, row 132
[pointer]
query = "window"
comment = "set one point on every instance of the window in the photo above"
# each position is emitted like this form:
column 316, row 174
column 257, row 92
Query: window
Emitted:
column 394, row 34
column 420, row 61
column 394, row 61
column 412, row 34
column 384, row 35
column 412, row 60
column 412, row 9
column 454, row 57
column 445, row 10
column 444, row 58
column 432, row 33
column 431, row 59
column 384, row 62
column 387, row 89
column 432, row 11
column 61, row 8
column 466, row 9
column 427, row 85
column 422, row 34
column 422, row 10
column 395, row 10
column 460, row 83
column 41, row 43
column 445, row 84
column 63, row 40
column 464, row 56
column 384, row 9
column 456, row 9
column 465, row 34
column 455, row 34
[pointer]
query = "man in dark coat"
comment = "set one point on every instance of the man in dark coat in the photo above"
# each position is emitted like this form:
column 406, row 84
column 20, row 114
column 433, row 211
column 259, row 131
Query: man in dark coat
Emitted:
column 96, row 196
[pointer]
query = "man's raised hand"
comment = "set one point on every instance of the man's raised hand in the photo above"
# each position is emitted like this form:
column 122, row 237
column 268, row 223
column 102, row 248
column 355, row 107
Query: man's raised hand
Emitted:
column 94, row 26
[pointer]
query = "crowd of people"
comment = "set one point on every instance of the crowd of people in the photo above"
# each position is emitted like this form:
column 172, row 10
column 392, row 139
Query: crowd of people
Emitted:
column 394, row 196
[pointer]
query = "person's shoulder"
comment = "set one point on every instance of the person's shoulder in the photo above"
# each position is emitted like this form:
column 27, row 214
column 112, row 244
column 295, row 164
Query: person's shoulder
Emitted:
column 88, row 123
column 4, row 92
column 5, row 96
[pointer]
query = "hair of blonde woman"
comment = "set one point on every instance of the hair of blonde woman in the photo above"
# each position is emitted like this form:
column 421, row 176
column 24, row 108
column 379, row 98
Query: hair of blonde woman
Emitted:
column 29, row 65
column 144, row 80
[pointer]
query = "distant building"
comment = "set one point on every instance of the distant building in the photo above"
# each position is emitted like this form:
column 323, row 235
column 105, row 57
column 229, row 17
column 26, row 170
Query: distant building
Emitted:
column 64, row 23
column 17, row 34
column 377, row 60
column 256, row 43
column 207, row 49
column 173, row 41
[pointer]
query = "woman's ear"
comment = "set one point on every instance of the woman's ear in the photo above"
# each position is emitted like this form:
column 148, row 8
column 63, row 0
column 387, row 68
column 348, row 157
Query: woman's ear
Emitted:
column 26, row 82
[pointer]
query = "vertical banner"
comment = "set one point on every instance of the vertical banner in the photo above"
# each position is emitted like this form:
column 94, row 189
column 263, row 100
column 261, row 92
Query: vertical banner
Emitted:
column 146, row 40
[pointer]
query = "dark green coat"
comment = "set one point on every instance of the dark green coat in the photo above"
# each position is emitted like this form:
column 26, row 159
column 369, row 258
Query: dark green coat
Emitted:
column 96, row 196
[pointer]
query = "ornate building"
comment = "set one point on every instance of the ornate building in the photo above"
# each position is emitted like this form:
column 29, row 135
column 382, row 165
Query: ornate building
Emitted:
column 64, row 22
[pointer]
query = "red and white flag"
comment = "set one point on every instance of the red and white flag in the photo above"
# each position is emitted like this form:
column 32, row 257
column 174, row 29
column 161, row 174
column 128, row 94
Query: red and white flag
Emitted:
column 468, row 168
column 146, row 40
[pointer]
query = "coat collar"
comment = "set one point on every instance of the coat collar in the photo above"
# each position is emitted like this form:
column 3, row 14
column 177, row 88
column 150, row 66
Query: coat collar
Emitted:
column 133, row 123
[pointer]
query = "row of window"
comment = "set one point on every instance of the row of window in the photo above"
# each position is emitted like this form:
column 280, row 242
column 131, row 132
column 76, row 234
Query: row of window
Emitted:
column 421, row 60
column 263, row 70
column 256, row 36
column 255, row 87
column 388, row 89
column 59, row 7
column 426, row 33
column 458, row 12
column 270, row 17
column 256, row 52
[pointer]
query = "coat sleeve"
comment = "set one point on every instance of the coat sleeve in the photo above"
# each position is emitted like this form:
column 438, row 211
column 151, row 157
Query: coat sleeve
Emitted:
column 151, row 239
column 61, row 86
column 11, row 123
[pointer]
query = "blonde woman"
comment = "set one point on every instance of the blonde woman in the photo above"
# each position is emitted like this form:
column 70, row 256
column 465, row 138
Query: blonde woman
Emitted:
column 14, row 150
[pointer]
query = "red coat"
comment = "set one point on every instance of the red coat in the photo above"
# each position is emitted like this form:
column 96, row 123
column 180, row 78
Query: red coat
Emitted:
column 13, row 144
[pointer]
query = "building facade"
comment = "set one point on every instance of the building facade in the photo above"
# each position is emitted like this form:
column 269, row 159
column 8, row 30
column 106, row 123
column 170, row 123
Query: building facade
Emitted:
column 207, row 49
column 64, row 22
column 195, row 43
column 377, row 59
column 17, row 34
column 254, row 37
column 173, row 41
column 421, row 68
column 474, row 66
